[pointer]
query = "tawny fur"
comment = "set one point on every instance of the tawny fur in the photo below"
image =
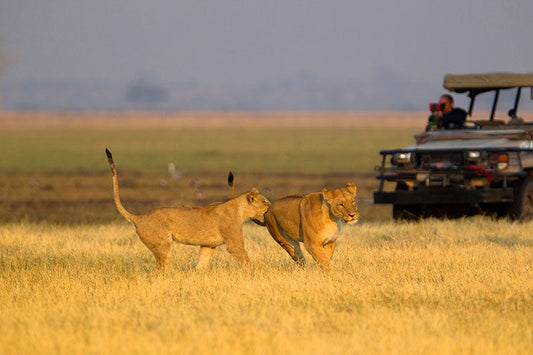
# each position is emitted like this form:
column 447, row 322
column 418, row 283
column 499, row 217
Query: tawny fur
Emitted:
column 231, row 179
column 315, row 220
column 206, row 226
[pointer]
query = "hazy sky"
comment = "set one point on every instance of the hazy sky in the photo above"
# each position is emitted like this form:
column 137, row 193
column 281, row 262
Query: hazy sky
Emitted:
column 214, row 42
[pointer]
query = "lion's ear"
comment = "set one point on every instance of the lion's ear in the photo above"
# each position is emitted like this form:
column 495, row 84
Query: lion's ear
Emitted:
column 351, row 188
column 328, row 195
column 252, row 195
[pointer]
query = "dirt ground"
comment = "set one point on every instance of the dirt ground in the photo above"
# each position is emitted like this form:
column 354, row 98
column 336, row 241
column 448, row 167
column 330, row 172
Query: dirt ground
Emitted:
column 79, row 198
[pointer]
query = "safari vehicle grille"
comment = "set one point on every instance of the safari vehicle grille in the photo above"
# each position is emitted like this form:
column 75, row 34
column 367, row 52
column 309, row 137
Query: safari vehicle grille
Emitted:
column 441, row 160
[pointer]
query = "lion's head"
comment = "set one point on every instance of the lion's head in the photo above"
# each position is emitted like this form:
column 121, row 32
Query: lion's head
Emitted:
column 342, row 202
column 259, row 205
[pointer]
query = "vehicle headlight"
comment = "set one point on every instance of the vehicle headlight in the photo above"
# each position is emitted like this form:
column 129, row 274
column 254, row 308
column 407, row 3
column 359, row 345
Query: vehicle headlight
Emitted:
column 500, row 161
column 473, row 155
column 402, row 158
column 503, row 161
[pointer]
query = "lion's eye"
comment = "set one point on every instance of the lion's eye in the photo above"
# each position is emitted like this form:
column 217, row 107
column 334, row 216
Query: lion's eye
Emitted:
column 341, row 205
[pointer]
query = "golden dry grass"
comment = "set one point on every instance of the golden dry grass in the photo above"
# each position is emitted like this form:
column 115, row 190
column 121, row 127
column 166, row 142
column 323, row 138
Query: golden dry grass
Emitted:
column 434, row 287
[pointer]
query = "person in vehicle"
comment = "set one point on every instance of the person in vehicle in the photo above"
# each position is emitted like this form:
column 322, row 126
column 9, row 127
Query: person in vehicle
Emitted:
column 450, row 116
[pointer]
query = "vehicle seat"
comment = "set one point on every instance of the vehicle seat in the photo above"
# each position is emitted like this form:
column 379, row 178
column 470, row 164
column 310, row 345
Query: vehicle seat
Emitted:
column 516, row 121
column 488, row 123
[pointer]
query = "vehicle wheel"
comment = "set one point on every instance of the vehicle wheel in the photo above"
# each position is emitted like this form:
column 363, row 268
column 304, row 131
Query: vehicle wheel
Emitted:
column 406, row 212
column 496, row 211
column 522, row 206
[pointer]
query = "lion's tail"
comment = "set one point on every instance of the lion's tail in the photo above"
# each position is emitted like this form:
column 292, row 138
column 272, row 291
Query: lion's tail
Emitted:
column 129, row 217
column 230, row 183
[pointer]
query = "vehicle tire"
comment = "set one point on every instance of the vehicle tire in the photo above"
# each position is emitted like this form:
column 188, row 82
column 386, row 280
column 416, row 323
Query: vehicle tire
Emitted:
column 496, row 211
column 405, row 212
column 522, row 205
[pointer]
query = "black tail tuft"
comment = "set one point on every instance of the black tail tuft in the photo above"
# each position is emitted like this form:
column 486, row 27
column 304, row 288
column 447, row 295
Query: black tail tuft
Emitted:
column 109, row 156
column 230, row 179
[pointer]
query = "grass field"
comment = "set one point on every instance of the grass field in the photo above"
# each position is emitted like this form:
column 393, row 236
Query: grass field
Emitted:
column 433, row 287
column 74, row 278
column 202, row 143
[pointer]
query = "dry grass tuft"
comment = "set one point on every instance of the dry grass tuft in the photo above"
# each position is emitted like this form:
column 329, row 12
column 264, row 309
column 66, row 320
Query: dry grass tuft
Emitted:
column 432, row 287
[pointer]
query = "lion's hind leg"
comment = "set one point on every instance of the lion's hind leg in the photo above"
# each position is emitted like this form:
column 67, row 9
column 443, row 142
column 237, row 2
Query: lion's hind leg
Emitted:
column 204, row 257
column 291, row 247
column 298, row 255
column 160, row 245
column 163, row 256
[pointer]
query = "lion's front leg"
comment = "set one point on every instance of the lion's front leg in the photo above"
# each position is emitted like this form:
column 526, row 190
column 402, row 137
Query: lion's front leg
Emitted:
column 235, row 246
column 330, row 248
column 204, row 257
column 313, row 242
column 318, row 252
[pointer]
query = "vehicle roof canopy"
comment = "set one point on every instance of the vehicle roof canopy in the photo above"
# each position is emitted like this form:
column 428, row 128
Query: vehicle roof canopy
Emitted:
column 486, row 82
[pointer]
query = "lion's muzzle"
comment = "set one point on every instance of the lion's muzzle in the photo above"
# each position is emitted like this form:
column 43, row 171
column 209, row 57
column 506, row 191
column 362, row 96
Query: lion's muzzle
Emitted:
column 351, row 218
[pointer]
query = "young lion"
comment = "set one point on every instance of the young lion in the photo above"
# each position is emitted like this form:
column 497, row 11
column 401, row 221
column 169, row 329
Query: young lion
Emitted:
column 315, row 219
column 206, row 226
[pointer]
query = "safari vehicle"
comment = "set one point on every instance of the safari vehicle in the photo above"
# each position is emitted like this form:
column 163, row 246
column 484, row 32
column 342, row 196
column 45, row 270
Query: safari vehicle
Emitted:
column 484, row 167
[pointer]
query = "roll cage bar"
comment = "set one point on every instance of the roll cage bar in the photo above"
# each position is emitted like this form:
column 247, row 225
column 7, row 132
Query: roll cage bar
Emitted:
column 476, row 84
column 512, row 112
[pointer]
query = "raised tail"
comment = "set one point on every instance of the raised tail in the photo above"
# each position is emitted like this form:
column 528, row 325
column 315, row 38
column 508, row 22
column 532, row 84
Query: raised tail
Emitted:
column 129, row 217
column 230, row 183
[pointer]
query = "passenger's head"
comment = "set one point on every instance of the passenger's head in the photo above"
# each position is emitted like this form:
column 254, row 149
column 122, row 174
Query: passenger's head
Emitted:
column 447, row 101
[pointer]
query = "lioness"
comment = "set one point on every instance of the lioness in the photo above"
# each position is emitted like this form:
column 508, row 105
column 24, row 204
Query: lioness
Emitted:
column 206, row 226
column 315, row 219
